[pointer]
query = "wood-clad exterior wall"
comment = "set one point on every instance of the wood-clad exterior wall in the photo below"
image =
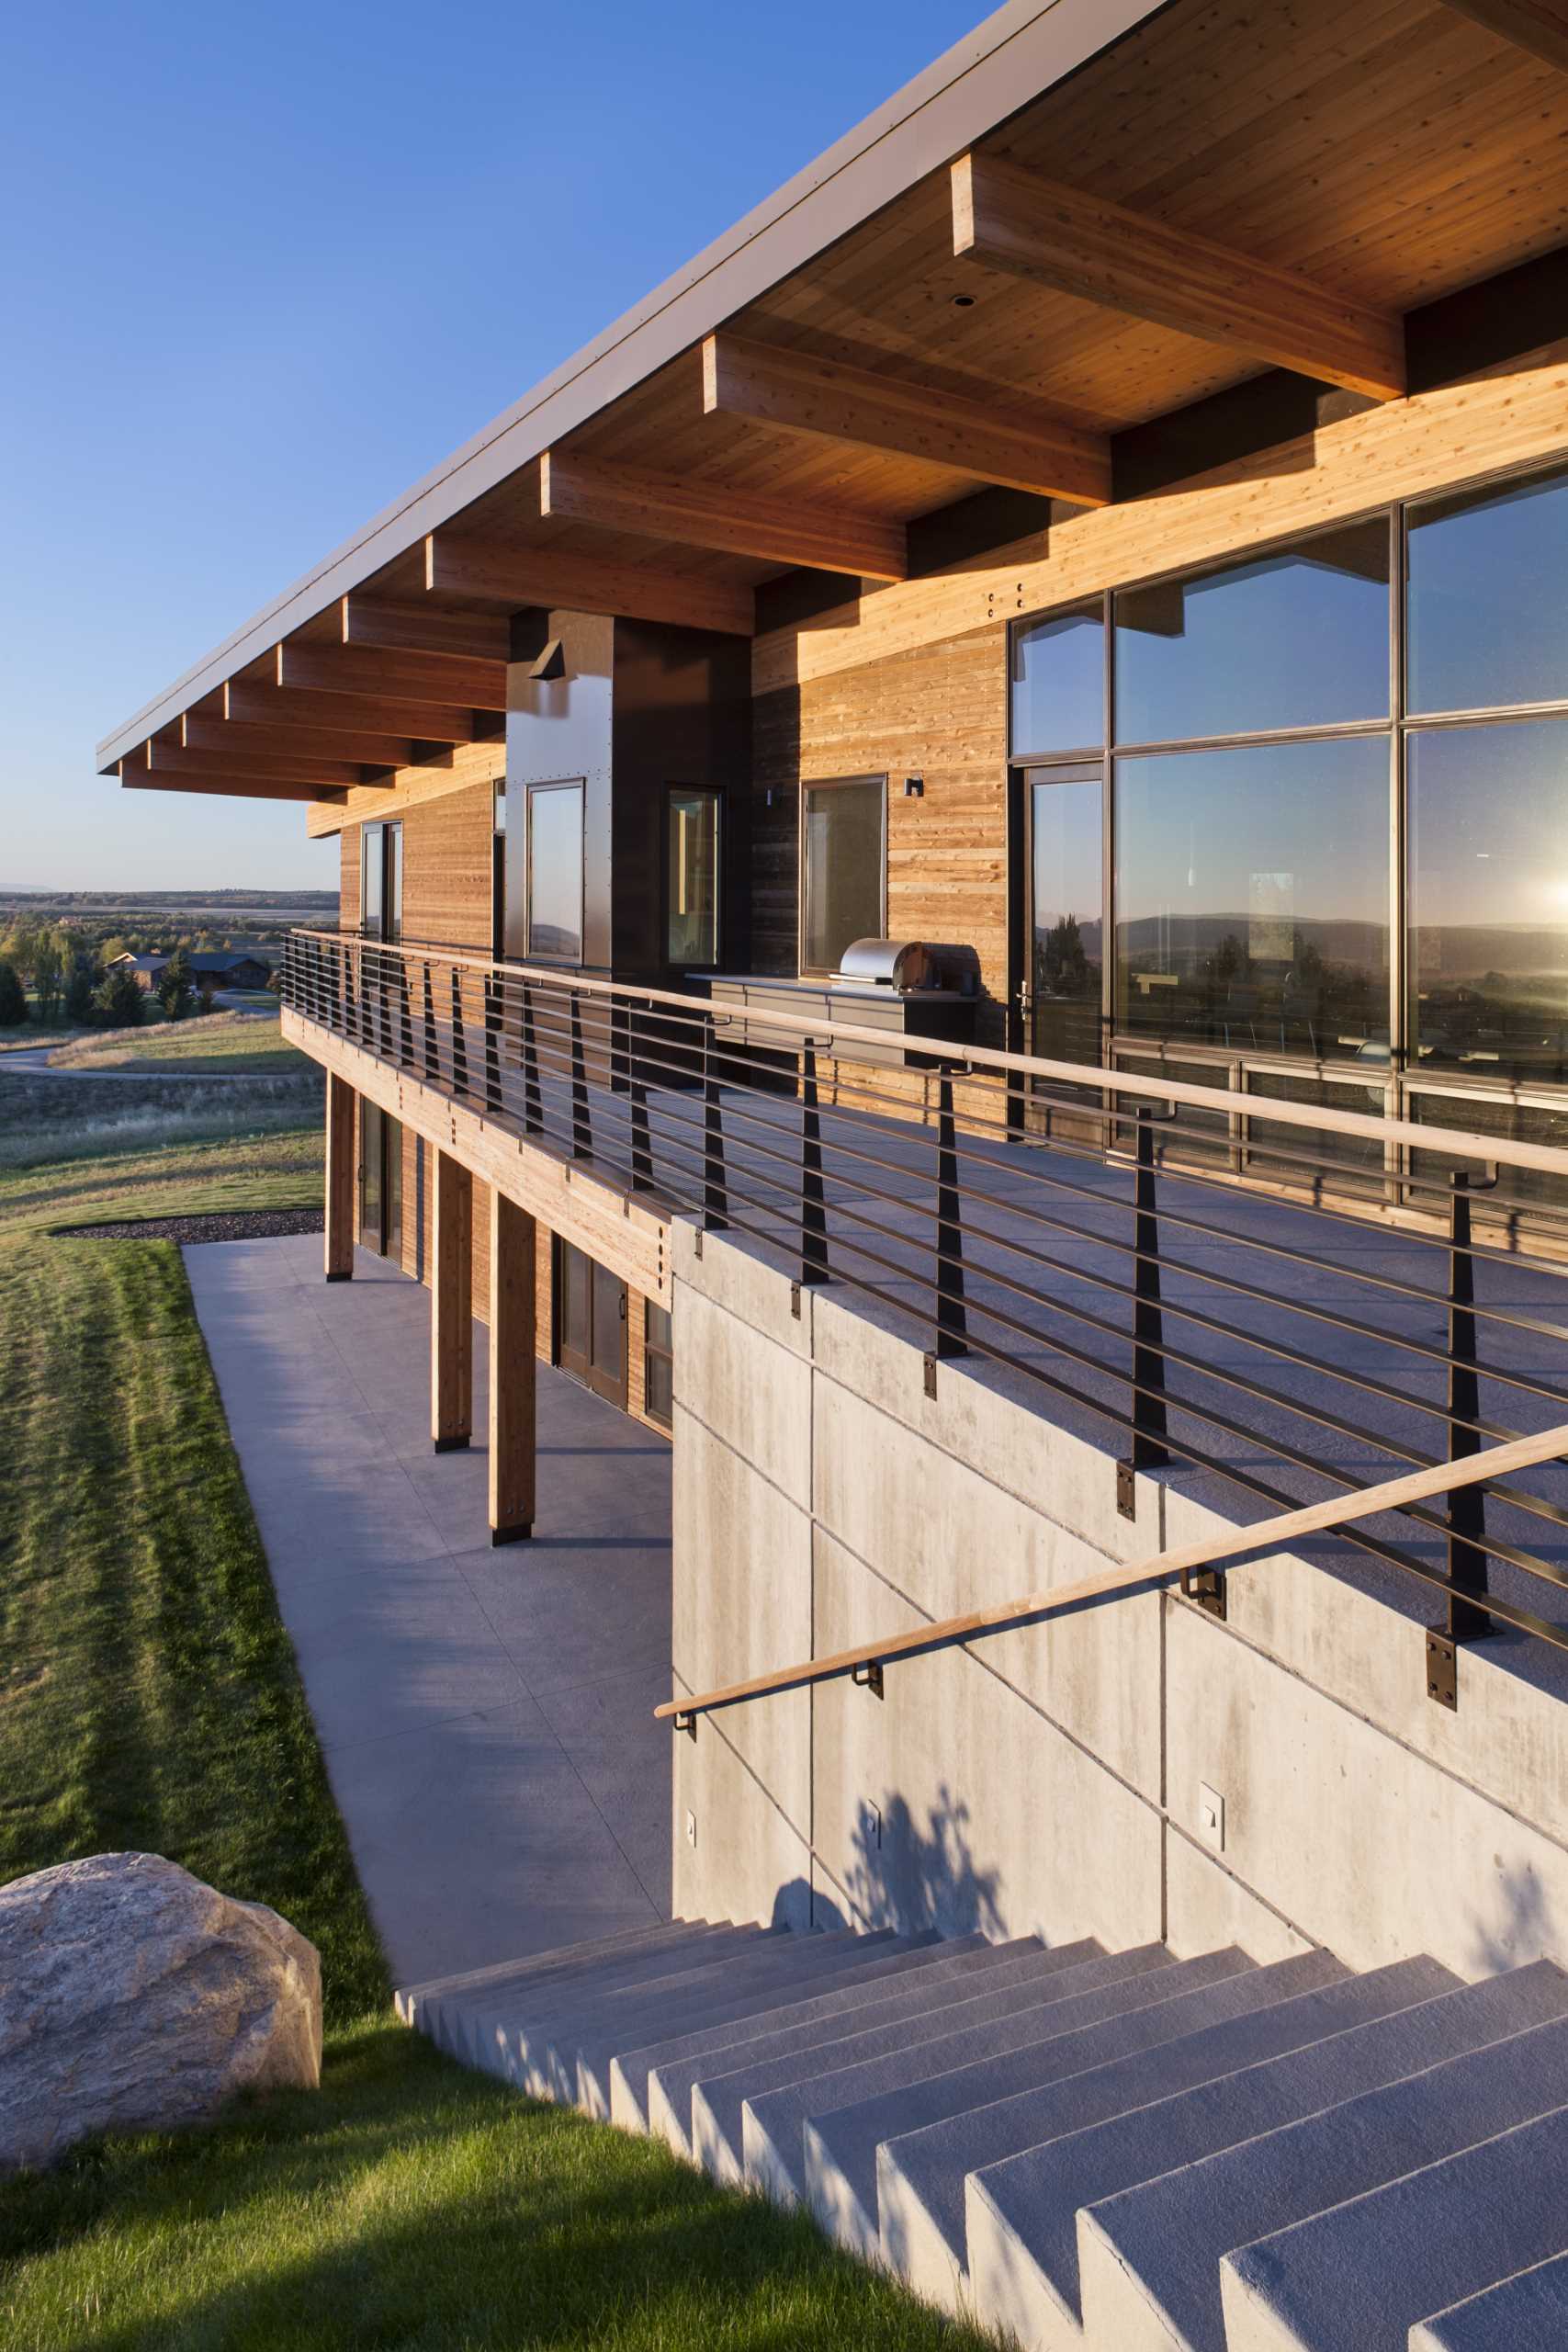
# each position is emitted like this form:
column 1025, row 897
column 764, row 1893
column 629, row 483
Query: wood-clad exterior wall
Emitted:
column 446, row 868
column 911, row 680
column 937, row 712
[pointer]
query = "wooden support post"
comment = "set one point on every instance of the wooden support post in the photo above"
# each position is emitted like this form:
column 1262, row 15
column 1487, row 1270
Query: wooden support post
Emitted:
column 451, row 1308
column 513, row 1371
column 340, row 1178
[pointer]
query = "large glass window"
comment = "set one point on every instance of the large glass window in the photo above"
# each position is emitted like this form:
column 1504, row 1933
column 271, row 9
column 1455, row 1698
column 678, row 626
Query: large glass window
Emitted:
column 1058, row 683
column 1292, row 639
column 843, row 859
column 1489, row 899
column 555, row 872
column 1488, row 576
column 692, row 870
column 1252, row 896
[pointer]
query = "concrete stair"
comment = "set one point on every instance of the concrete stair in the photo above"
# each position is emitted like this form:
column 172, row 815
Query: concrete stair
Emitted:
column 1122, row 2151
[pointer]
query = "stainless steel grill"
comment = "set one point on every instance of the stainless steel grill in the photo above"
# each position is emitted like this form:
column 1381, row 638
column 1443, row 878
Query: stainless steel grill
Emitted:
column 901, row 965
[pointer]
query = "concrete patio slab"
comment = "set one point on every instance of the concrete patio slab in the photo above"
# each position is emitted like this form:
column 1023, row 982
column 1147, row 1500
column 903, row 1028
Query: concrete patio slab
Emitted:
column 486, row 1715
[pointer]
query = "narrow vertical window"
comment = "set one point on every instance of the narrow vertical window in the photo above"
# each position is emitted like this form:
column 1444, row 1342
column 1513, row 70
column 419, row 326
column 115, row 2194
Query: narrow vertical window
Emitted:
column 691, row 866
column 555, row 872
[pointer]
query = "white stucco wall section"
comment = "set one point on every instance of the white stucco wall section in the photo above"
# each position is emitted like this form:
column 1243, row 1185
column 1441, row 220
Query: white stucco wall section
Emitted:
column 1047, row 1780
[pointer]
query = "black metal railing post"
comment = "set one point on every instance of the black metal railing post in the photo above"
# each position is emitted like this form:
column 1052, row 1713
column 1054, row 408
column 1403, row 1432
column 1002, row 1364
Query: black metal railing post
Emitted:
column 642, row 1135
column 1149, row 1450
column 533, row 1100
column 405, row 1015
column 581, row 1122
column 493, row 1042
column 383, row 1006
column 1467, row 1505
column 432, row 1055
column 460, row 1036
column 813, row 1193
column 951, row 1315
column 716, row 1181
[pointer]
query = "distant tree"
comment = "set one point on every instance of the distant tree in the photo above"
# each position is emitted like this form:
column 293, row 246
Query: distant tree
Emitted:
column 13, row 997
column 49, row 977
column 86, row 974
column 176, row 989
column 118, row 1001
column 113, row 945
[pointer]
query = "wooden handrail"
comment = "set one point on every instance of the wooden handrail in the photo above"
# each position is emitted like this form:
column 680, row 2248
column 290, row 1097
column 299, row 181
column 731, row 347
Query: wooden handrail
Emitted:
column 1232, row 1544
column 1546, row 1159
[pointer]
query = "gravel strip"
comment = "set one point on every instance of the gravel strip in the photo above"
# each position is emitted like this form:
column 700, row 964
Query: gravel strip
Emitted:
column 235, row 1225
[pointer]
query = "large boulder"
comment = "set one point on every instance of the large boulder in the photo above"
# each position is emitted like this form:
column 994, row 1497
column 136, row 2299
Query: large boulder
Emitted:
column 132, row 1997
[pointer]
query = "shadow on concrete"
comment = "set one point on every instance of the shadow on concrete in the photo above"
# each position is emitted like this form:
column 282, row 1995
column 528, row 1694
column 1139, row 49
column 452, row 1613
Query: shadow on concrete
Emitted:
column 906, row 1874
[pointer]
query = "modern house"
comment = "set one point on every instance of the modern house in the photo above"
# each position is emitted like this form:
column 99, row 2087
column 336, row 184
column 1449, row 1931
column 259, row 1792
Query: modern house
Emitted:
column 212, row 969
column 954, row 888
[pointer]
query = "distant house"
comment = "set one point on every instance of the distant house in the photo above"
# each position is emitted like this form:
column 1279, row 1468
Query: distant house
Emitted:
column 214, row 968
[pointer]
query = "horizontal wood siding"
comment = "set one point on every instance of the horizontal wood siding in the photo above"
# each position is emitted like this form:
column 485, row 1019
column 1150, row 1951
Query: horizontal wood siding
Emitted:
column 1506, row 416
column 447, row 869
column 348, row 877
column 464, row 766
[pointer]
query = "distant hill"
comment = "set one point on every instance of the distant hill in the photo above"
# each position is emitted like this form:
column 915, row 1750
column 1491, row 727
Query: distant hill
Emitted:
column 227, row 903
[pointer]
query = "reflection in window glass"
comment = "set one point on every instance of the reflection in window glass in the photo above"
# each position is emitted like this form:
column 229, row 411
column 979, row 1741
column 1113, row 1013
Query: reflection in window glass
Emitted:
column 555, row 871
column 692, row 936
column 1252, row 893
column 842, row 869
column 1488, row 585
column 1066, row 943
column 1058, row 683
column 1297, row 639
column 1489, row 899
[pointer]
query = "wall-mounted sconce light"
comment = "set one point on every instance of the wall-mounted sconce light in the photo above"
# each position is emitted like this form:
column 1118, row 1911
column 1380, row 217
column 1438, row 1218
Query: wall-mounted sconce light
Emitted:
column 914, row 787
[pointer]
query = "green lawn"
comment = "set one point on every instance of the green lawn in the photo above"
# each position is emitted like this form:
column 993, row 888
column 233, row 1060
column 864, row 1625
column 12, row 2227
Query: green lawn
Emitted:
column 224, row 1043
column 149, row 1698
column 278, row 1168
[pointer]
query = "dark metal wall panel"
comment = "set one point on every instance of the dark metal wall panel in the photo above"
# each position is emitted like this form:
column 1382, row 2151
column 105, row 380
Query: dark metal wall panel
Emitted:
column 683, row 715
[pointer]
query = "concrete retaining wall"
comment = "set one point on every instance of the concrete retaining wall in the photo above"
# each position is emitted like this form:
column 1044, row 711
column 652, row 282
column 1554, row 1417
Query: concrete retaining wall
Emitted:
column 1048, row 1780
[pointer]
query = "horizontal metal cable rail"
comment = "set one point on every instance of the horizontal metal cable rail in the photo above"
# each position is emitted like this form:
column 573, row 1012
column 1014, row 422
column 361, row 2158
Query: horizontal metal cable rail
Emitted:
column 1261, row 1330
column 1269, row 1535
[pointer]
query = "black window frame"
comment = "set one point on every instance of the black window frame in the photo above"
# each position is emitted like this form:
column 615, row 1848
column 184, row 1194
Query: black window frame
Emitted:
column 718, row 795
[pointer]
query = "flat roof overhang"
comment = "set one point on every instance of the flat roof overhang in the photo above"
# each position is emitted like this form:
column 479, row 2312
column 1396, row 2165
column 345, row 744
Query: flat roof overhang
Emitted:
column 1085, row 215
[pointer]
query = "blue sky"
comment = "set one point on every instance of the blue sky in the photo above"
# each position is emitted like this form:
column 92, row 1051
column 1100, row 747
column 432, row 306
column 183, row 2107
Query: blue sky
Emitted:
column 263, row 268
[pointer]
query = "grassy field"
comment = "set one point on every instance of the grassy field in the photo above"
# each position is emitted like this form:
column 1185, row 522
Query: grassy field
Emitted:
column 224, row 1044
column 148, row 1697
column 281, row 1170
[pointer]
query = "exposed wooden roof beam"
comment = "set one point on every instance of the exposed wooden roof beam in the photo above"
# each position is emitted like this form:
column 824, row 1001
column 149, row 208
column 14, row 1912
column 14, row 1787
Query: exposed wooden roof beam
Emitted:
column 822, row 400
column 391, row 678
column 1015, row 221
column 200, row 733
column 351, row 714
column 136, row 778
column 707, row 515
column 1538, row 26
column 172, row 759
column 518, row 577
column 424, row 628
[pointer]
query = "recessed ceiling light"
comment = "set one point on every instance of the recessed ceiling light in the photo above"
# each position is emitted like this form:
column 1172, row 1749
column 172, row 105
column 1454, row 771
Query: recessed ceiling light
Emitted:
column 963, row 301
